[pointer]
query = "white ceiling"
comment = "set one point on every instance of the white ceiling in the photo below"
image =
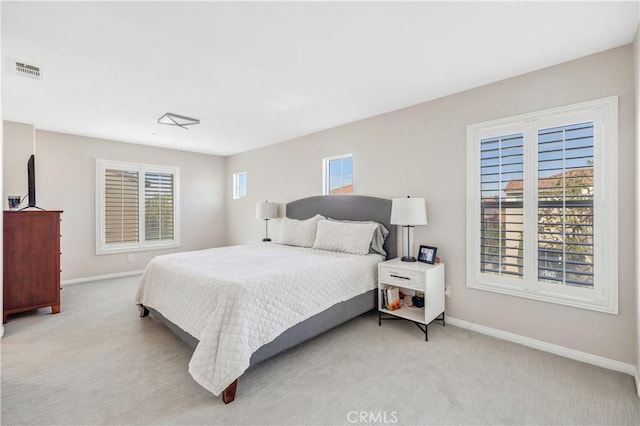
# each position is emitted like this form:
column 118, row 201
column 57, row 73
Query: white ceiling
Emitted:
column 257, row 73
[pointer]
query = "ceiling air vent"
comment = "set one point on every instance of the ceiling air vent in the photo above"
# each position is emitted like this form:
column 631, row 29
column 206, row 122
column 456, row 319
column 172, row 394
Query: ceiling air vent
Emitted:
column 27, row 70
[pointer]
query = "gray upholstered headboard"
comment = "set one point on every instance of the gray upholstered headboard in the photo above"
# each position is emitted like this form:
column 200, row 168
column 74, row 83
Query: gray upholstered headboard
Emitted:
column 348, row 207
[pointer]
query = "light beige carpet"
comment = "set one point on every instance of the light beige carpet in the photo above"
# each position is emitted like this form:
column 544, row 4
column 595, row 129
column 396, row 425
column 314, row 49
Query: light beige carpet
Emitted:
column 97, row 362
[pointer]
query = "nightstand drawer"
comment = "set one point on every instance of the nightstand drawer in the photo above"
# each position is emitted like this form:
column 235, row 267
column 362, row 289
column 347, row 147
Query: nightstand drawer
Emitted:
column 402, row 278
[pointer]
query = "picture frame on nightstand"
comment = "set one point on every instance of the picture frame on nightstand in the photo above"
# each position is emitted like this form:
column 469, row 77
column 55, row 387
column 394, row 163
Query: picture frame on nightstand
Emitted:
column 427, row 254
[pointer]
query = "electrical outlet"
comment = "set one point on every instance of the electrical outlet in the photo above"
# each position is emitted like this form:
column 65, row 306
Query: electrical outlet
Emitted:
column 130, row 257
column 447, row 292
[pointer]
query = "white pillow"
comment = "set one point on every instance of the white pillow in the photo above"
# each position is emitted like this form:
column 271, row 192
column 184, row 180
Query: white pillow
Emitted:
column 379, row 235
column 301, row 233
column 345, row 237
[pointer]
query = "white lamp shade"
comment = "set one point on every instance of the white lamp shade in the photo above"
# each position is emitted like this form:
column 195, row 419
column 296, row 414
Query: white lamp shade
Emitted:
column 408, row 211
column 267, row 210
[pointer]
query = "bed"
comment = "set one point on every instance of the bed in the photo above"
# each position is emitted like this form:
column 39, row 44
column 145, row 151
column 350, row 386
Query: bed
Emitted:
column 307, row 292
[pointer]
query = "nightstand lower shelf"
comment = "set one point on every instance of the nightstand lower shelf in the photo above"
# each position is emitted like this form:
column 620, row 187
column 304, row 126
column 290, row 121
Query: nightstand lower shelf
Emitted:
column 409, row 315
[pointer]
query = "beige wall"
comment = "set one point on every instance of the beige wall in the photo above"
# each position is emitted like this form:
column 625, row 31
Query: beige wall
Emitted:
column 421, row 151
column 417, row 151
column 17, row 149
column 65, row 176
column 636, row 69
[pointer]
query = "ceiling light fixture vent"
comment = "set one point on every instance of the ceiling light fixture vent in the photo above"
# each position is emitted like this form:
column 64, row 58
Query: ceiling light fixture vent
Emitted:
column 27, row 70
column 177, row 120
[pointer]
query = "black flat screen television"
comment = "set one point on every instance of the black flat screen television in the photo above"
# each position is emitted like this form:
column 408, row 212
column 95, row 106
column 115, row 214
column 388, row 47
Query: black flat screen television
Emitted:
column 31, row 180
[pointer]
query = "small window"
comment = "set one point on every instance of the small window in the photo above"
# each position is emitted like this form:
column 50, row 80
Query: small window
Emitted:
column 338, row 175
column 239, row 185
column 137, row 207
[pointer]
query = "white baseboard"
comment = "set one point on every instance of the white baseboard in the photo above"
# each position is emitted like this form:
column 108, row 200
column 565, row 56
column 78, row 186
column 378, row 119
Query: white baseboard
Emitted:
column 599, row 361
column 101, row 277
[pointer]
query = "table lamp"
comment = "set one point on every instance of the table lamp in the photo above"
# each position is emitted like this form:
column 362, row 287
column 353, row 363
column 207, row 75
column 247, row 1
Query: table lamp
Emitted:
column 266, row 210
column 408, row 212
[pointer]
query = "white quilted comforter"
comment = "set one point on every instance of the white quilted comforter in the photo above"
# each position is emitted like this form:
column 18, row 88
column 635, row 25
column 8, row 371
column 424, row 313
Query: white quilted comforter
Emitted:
column 236, row 299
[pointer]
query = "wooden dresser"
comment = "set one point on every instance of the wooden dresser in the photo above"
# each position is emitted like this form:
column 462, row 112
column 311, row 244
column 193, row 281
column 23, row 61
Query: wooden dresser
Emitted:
column 31, row 274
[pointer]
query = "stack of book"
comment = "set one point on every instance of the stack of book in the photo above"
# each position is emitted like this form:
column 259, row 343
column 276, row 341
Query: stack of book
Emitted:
column 390, row 298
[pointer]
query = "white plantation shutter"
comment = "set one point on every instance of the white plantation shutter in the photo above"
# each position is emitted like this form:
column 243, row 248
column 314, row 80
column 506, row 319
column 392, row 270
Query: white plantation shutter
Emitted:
column 121, row 206
column 136, row 207
column 542, row 205
column 501, row 219
column 565, row 204
column 158, row 199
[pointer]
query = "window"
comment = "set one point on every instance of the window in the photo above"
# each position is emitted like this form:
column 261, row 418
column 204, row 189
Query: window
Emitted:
column 136, row 207
column 338, row 175
column 239, row 185
column 158, row 206
column 542, row 205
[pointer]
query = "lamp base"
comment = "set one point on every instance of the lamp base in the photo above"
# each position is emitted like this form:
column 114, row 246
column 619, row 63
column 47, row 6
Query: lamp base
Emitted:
column 408, row 259
column 266, row 239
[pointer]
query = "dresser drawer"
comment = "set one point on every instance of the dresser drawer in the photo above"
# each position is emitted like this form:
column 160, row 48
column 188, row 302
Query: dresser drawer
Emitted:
column 402, row 278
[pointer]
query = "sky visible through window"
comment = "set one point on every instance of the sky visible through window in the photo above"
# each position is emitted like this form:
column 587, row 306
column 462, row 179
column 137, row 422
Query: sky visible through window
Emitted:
column 340, row 171
column 239, row 185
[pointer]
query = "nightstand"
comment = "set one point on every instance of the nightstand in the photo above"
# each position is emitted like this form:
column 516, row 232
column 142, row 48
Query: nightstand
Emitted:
column 411, row 278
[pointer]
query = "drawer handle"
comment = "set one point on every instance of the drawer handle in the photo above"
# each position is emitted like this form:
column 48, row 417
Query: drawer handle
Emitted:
column 401, row 277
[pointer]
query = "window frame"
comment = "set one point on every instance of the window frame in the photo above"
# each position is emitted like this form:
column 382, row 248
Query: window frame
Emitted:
column 603, row 296
column 326, row 175
column 236, row 186
column 102, row 247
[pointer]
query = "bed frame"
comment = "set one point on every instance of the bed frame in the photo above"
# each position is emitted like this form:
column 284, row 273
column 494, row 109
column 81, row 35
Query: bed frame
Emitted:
column 344, row 207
